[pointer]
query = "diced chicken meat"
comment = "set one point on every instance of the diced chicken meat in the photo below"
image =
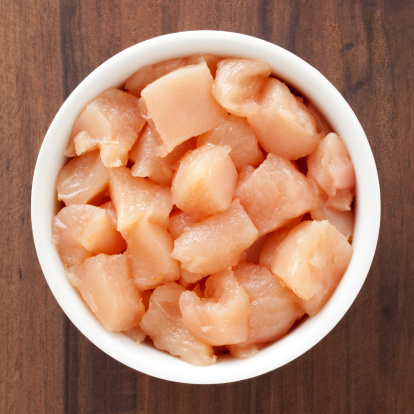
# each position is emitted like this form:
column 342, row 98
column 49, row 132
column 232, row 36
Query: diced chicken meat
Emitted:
column 205, row 181
column 221, row 318
column 164, row 323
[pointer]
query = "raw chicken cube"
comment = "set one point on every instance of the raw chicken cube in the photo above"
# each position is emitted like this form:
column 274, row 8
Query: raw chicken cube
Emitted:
column 136, row 198
column 322, row 124
column 244, row 351
column 179, row 221
column 311, row 261
column 215, row 243
column 342, row 220
column 221, row 318
column 164, row 323
column 273, row 241
column 188, row 279
column 110, row 210
column 273, row 308
column 331, row 167
column 274, row 193
column 283, row 125
column 106, row 286
column 205, row 181
column 82, row 179
column 238, row 135
column 252, row 253
column 211, row 61
column 81, row 230
column 150, row 73
column 149, row 255
column 147, row 162
column 182, row 106
column 136, row 334
column 111, row 122
column 238, row 85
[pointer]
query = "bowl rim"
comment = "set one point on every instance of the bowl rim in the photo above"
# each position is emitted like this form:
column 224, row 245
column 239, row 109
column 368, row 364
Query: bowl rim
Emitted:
column 305, row 79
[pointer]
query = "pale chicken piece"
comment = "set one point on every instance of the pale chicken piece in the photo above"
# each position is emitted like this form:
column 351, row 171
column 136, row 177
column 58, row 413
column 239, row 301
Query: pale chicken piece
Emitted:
column 149, row 255
column 135, row 198
column 205, row 181
column 239, row 83
column 244, row 351
column 215, row 243
column 252, row 253
column 81, row 230
column 236, row 133
column 284, row 125
column 211, row 61
column 342, row 220
column 274, row 193
column 221, row 318
column 111, row 122
column 150, row 73
column 273, row 241
column 164, row 323
column 182, row 106
column 322, row 124
column 273, row 308
column 82, row 179
column 136, row 334
column 330, row 166
column 110, row 210
column 188, row 279
column 147, row 162
column 311, row 261
column 179, row 221
column 106, row 286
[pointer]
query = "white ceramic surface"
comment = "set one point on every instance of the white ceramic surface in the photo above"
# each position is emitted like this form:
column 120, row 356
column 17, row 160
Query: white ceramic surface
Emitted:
column 305, row 79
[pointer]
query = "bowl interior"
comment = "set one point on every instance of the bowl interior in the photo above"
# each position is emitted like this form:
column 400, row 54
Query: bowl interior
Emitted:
column 304, row 79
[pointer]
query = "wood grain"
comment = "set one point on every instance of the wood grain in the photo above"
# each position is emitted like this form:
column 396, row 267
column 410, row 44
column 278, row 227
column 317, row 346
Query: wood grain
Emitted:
column 365, row 48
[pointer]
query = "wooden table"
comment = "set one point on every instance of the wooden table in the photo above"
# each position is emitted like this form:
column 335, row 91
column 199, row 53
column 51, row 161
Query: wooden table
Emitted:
column 365, row 48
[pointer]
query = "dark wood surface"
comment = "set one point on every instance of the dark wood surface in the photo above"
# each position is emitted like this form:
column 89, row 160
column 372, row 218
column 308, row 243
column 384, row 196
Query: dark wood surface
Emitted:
column 365, row 48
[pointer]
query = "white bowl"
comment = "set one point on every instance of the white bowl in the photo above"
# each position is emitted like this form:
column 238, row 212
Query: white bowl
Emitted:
column 307, row 81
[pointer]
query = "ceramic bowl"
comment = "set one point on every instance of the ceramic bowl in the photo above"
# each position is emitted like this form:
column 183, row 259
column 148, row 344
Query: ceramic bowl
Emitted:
column 305, row 80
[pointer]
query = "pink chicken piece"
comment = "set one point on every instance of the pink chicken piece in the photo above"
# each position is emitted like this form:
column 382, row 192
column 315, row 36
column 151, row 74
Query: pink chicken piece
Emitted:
column 111, row 122
column 182, row 106
column 342, row 220
column 273, row 241
column 211, row 61
column 331, row 168
column 238, row 85
column 107, row 288
column 215, row 243
column 82, row 179
column 150, row 73
column 135, row 198
column 283, row 125
column 274, row 193
column 164, row 323
column 149, row 255
column 273, row 308
column 322, row 124
column 252, row 253
column 136, row 334
column 147, row 162
column 236, row 133
column 311, row 261
column 221, row 318
column 179, row 221
column 81, row 230
column 109, row 207
column 205, row 181
column 188, row 279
